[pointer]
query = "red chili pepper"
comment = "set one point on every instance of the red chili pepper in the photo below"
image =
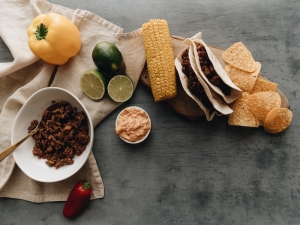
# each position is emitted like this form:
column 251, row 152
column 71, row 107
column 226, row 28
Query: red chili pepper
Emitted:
column 78, row 199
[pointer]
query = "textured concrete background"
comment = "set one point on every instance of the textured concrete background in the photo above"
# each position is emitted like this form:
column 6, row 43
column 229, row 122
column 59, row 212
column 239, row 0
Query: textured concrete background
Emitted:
column 195, row 173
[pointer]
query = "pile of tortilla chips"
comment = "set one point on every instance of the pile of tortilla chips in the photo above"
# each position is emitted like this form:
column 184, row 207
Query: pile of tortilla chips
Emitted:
column 260, row 103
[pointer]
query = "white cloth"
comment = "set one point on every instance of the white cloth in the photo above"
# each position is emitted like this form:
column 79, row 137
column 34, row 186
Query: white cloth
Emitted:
column 26, row 74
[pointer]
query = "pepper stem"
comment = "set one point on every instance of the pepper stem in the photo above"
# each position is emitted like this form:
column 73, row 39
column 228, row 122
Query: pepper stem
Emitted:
column 85, row 184
column 41, row 32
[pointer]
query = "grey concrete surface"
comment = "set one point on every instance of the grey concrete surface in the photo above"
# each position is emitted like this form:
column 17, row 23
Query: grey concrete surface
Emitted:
column 195, row 173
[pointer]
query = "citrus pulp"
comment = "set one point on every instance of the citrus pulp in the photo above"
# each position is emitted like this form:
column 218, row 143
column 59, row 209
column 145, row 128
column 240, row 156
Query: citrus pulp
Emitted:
column 93, row 83
column 120, row 88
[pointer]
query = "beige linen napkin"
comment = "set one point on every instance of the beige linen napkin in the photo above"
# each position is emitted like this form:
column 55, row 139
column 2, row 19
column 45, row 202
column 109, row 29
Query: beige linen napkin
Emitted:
column 27, row 74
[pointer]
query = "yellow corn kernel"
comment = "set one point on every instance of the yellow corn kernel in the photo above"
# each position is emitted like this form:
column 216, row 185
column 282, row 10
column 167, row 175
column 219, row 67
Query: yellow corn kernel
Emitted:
column 160, row 59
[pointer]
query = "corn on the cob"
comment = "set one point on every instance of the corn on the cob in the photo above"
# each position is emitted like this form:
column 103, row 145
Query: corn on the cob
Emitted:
column 160, row 59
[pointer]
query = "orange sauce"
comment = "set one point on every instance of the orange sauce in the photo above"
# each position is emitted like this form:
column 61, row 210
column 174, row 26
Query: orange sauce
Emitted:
column 133, row 124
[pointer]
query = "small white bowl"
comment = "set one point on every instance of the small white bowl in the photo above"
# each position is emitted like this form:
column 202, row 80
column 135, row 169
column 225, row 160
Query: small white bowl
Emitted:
column 33, row 109
column 147, row 134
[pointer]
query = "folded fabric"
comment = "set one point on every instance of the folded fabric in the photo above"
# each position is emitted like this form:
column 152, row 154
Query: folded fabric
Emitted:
column 26, row 74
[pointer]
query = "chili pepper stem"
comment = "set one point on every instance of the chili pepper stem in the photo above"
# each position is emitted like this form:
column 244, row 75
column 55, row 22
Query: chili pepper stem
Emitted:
column 86, row 184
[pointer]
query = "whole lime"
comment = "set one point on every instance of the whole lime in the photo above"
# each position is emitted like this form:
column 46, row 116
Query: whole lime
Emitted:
column 107, row 57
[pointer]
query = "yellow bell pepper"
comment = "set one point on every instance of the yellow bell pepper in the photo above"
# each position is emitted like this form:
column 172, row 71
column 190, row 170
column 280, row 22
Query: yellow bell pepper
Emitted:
column 53, row 38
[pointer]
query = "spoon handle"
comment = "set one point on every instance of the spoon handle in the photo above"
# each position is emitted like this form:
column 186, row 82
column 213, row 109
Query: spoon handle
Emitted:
column 10, row 149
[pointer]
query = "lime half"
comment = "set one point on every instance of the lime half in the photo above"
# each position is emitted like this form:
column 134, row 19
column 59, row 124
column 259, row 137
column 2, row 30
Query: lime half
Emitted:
column 93, row 84
column 120, row 88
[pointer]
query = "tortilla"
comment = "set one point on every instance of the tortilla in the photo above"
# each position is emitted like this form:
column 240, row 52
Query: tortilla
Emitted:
column 209, row 114
column 262, row 103
column 219, row 106
column 264, row 85
column 242, row 115
column 244, row 80
column 278, row 120
column 240, row 57
column 218, row 68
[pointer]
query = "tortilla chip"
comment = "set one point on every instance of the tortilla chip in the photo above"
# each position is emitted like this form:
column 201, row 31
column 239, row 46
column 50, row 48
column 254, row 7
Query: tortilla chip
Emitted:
column 278, row 120
column 240, row 57
column 263, row 85
column 262, row 103
column 244, row 80
column 242, row 115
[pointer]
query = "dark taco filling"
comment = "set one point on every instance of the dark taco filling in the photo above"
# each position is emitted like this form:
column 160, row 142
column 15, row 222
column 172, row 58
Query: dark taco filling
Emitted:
column 193, row 83
column 209, row 71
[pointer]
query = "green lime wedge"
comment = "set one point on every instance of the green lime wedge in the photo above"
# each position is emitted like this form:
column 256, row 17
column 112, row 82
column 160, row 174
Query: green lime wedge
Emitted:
column 120, row 88
column 93, row 84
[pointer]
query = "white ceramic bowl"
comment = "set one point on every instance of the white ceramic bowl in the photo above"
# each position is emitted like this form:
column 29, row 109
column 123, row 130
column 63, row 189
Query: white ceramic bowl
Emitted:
column 141, row 140
column 33, row 108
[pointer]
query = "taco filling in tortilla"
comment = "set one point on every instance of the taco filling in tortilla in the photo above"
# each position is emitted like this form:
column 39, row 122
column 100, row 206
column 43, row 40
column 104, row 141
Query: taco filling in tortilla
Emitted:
column 209, row 71
column 193, row 83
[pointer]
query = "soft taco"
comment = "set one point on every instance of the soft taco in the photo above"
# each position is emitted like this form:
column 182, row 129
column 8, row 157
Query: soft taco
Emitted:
column 196, row 88
column 211, row 71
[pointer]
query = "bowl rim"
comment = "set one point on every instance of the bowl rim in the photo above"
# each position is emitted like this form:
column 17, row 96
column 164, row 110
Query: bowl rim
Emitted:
column 91, row 133
column 145, row 137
